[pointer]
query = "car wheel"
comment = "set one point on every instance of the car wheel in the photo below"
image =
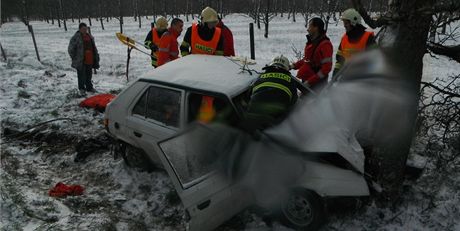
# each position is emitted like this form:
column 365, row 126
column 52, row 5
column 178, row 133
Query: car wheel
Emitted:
column 303, row 210
column 137, row 158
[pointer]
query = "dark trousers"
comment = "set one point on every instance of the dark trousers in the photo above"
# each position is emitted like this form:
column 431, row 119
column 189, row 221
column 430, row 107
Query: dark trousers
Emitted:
column 84, row 77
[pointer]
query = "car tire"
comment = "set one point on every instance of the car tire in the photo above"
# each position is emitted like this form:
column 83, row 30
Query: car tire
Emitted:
column 302, row 210
column 137, row 158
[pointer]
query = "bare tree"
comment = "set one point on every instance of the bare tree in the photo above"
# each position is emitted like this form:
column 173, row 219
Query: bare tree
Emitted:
column 405, row 27
column 268, row 16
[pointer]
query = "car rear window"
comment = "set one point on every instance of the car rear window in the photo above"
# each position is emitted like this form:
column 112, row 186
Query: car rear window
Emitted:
column 160, row 104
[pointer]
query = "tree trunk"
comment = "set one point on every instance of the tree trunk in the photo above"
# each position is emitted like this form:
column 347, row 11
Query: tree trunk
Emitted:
column 267, row 19
column 404, row 43
column 61, row 7
column 121, row 15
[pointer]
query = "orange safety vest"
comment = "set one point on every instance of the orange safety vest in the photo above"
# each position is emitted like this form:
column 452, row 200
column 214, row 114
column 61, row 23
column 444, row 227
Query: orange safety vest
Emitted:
column 200, row 46
column 207, row 112
column 155, row 40
column 351, row 48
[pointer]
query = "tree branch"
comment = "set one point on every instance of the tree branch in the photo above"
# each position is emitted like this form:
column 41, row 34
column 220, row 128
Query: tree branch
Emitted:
column 452, row 52
column 381, row 21
column 452, row 94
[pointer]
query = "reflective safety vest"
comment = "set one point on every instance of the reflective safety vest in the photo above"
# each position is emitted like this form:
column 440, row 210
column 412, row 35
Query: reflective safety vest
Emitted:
column 155, row 40
column 207, row 112
column 351, row 48
column 200, row 46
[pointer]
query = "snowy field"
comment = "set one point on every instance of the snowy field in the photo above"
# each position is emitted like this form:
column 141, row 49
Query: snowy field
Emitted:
column 120, row 198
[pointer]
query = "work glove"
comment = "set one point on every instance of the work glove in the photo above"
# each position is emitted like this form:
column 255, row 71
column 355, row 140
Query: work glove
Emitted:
column 153, row 47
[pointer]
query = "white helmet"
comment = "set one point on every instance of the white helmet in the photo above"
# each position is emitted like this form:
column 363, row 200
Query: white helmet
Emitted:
column 352, row 15
column 209, row 15
column 162, row 23
column 281, row 62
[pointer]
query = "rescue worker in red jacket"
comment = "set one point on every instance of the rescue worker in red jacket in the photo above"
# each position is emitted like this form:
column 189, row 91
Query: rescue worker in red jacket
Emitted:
column 152, row 41
column 204, row 38
column 314, row 68
column 168, row 48
column 229, row 49
column 355, row 40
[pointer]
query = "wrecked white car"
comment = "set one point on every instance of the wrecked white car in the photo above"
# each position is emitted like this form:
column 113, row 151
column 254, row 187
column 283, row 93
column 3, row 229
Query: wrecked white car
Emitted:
column 218, row 170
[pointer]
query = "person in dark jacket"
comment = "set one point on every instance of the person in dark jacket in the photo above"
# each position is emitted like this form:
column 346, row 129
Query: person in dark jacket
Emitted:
column 229, row 49
column 152, row 41
column 273, row 95
column 204, row 38
column 82, row 49
column 314, row 68
column 355, row 40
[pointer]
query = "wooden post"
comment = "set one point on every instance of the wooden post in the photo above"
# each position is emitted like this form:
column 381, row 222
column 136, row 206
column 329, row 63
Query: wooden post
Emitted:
column 251, row 40
column 31, row 30
column 3, row 52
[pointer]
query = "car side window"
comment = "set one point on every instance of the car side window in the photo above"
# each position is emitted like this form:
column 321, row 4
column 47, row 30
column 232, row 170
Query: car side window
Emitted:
column 141, row 105
column 160, row 104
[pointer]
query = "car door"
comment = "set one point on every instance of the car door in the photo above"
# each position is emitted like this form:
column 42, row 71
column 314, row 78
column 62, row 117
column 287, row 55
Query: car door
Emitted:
column 208, row 194
column 194, row 160
column 155, row 115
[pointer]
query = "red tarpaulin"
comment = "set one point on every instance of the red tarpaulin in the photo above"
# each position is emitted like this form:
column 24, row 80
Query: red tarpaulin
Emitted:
column 98, row 102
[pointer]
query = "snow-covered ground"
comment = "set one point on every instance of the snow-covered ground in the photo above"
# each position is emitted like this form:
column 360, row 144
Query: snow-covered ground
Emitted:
column 117, row 197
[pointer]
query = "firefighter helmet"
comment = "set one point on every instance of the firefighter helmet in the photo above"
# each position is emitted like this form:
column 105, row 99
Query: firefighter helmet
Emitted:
column 209, row 15
column 352, row 15
column 162, row 23
column 281, row 62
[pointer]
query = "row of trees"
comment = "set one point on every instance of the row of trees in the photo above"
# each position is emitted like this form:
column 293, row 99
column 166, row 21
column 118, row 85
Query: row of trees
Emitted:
column 70, row 9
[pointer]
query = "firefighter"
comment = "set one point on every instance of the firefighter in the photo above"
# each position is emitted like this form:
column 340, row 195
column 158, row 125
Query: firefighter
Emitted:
column 168, row 49
column 152, row 41
column 273, row 95
column 204, row 38
column 355, row 40
column 229, row 49
column 314, row 68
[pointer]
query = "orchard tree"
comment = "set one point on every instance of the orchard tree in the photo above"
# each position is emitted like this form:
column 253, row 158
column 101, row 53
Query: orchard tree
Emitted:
column 405, row 27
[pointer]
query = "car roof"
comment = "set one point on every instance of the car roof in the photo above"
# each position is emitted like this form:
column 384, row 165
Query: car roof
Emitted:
column 205, row 72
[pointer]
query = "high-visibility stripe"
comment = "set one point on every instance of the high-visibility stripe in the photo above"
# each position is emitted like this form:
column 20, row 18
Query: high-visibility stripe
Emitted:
column 163, row 49
column 277, row 75
column 274, row 85
column 326, row 60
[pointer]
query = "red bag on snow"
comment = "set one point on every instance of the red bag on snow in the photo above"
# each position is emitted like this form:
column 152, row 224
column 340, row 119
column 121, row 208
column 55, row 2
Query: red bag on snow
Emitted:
column 98, row 102
column 63, row 190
